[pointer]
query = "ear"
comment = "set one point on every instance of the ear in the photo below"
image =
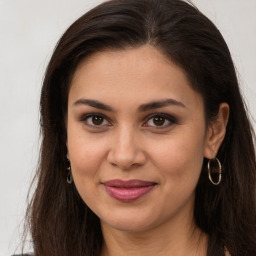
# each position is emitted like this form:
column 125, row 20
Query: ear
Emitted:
column 216, row 132
column 67, row 149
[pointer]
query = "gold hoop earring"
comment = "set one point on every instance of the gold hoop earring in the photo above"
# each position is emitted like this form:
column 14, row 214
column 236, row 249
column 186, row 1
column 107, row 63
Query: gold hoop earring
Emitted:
column 219, row 171
column 69, row 176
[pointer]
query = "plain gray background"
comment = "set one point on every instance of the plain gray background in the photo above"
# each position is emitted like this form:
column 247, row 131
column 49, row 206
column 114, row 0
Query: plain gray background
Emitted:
column 29, row 30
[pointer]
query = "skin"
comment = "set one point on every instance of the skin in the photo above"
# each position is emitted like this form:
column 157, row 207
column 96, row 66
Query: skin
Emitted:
column 128, row 143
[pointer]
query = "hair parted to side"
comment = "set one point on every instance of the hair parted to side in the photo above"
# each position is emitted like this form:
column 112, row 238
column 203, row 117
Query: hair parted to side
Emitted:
column 59, row 220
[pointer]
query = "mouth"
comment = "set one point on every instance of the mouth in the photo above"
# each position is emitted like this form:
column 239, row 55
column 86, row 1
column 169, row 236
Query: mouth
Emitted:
column 127, row 191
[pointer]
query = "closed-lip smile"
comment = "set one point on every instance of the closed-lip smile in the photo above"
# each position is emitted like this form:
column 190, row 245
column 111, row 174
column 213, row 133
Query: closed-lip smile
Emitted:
column 128, row 190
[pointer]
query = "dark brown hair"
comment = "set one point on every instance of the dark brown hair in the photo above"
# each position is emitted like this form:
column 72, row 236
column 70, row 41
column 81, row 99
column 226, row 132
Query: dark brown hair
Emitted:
column 60, row 222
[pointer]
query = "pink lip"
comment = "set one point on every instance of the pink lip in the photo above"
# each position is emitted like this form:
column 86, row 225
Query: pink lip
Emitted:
column 127, row 191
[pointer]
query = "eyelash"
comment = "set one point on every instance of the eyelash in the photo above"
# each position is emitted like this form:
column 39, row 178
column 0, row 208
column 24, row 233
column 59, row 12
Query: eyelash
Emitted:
column 167, row 118
column 86, row 117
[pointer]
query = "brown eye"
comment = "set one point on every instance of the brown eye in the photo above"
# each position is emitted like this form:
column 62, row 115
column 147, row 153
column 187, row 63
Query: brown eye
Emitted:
column 95, row 120
column 159, row 120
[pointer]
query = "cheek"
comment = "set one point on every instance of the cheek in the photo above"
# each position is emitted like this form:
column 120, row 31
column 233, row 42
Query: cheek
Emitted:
column 179, row 162
column 86, row 156
column 180, row 157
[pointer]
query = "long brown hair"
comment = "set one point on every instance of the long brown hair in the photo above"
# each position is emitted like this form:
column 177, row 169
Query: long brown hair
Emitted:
column 60, row 222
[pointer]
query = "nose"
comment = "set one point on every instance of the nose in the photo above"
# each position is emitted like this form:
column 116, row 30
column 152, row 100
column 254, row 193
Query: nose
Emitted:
column 126, row 150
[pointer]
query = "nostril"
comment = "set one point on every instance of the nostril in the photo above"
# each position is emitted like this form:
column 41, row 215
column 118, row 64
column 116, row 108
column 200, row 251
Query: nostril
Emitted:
column 125, row 159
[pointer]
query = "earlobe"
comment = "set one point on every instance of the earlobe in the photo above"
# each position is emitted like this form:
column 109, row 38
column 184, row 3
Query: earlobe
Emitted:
column 67, row 150
column 216, row 132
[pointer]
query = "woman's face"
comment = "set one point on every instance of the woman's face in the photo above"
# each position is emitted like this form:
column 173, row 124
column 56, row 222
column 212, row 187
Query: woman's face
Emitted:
column 136, row 139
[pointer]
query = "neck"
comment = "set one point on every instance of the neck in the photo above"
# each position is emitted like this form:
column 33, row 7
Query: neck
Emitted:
column 176, row 238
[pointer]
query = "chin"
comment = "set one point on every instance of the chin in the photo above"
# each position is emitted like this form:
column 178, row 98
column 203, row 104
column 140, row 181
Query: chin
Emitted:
column 130, row 226
column 129, row 222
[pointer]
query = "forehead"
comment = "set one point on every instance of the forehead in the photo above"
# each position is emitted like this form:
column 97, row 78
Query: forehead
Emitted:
column 133, row 74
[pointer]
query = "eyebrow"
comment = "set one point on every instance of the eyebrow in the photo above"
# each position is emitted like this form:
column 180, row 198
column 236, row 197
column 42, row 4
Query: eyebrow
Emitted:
column 142, row 108
column 93, row 103
column 160, row 104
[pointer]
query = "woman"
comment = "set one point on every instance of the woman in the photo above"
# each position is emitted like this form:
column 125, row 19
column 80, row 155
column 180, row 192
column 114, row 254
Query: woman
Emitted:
column 146, row 145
